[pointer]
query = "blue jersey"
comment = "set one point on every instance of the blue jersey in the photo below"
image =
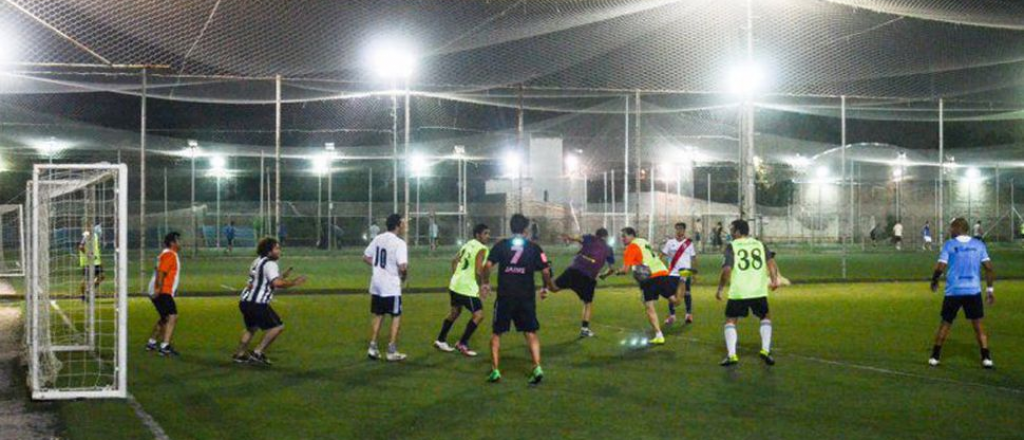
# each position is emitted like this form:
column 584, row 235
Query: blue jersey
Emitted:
column 963, row 256
column 926, row 232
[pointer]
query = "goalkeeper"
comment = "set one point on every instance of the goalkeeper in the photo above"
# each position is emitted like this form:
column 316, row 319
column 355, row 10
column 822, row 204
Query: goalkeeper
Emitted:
column 650, row 272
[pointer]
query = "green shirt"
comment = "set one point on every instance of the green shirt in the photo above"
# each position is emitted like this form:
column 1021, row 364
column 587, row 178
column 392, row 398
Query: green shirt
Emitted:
column 651, row 260
column 83, row 255
column 748, row 259
column 464, row 279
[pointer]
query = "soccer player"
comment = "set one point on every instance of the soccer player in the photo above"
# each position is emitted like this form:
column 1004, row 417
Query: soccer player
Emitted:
column 518, row 259
column 434, row 232
column 265, row 278
column 90, row 243
column 581, row 275
column 750, row 271
column 897, row 235
column 962, row 259
column 682, row 256
column 978, row 233
column 652, row 275
column 374, row 231
column 388, row 255
column 464, row 290
column 229, row 234
column 162, row 288
column 926, row 236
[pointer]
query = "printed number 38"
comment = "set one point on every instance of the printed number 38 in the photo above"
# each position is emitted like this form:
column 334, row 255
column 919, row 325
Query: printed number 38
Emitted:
column 748, row 259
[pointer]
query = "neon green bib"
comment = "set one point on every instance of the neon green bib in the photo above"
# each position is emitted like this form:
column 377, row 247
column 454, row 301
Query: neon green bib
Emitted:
column 464, row 279
column 83, row 256
column 650, row 259
column 749, row 269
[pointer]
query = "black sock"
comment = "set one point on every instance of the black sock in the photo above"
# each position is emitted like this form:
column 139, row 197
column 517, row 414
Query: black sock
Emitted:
column 585, row 324
column 445, row 327
column 470, row 328
column 671, row 309
column 985, row 354
column 936, row 351
column 689, row 303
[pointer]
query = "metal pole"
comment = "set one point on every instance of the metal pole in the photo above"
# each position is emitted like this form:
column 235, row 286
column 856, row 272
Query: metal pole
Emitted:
column 195, row 223
column 650, row 214
column 394, row 145
column 262, row 214
column 941, row 223
column 604, row 201
column 625, row 173
column 1013, row 212
column 330, row 205
column 277, row 156
column 614, row 208
column 166, row 227
column 996, row 215
column 842, row 146
column 520, row 146
column 639, row 157
column 418, row 212
column 218, row 212
column 405, row 160
column 369, row 190
column 142, row 180
column 319, row 208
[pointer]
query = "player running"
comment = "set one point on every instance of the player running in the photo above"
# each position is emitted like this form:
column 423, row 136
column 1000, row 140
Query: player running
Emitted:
column 517, row 259
column 389, row 257
column 265, row 278
column 682, row 257
column 750, row 271
column 581, row 275
column 652, row 275
column 162, row 288
column 464, row 290
column 962, row 259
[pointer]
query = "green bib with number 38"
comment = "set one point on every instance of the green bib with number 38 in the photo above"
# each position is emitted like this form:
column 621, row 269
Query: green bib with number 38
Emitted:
column 749, row 269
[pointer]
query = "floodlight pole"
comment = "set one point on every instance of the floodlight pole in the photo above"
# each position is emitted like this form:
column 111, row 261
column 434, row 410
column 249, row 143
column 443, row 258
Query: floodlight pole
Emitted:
column 218, row 210
column 405, row 156
column 650, row 214
column 142, row 179
column 842, row 158
column 639, row 156
column 418, row 212
column 625, row 172
column 369, row 190
column 520, row 147
column 394, row 144
column 277, row 157
column 941, row 223
column 330, row 204
column 319, row 208
column 166, row 227
column 262, row 217
column 614, row 208
column 195, row 226
column 604, row 201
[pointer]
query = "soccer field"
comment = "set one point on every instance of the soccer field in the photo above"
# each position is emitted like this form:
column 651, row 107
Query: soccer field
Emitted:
column 851, row 364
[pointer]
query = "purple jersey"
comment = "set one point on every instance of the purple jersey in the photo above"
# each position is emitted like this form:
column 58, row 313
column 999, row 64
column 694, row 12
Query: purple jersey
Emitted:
column 593, row 255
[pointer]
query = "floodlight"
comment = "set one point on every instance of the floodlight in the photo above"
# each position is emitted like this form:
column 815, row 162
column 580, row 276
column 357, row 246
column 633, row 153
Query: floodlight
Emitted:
column 459, row 151
column 418, row 165
column 746, row 78
column 667, row 172
column 321, row 166
column 973, row 174
column 572, row 164
column 511, row 164
column 218, row 163
column 799, row 162
column 329, row 146
column 49, row 148
column 897, row 173
column 392, row 60
column 822, row 172
column 758, row 162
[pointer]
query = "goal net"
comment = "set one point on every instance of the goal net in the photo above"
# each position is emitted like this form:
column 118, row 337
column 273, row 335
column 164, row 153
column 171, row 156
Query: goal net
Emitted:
column 12, row 241
column 77, row 281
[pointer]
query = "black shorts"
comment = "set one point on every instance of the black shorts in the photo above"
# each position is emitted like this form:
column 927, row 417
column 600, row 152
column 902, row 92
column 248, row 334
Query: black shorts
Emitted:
column 165, row 305
column 741, row 308
column 96, row 271
column 260, row 316
column 653, row 288
column 471, row 303
column 231, row 241
column 579, row 282
column 674, row 283
column 519, row 310
column 974, row 307
column 897, row 239
column 386, row 305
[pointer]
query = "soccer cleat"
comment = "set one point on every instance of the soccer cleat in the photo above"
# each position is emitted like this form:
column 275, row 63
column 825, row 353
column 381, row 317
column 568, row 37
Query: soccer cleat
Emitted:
column 243, row 358
column 586, row 332
column 373, row 353
column 657, row 340
column 443, row 346
column 767, row 358
column 260, row 359
column 394, row 356
column 537, row 375
column 987, row 364
column 464, row 349
column 689, row 318
column 152, row 346
column 168, row 351
column 495, row 376
column 670, row 320
column 933, row 362
column 730, row 360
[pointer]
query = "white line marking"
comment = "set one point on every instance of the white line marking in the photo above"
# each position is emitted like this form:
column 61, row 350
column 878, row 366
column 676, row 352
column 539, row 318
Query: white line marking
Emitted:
column 146, row 419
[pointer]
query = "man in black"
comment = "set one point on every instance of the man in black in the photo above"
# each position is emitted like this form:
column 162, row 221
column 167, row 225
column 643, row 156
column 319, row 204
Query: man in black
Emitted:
column 517, row 259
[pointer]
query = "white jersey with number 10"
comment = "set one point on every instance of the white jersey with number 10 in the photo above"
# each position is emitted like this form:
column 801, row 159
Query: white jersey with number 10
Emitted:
column 386, row 252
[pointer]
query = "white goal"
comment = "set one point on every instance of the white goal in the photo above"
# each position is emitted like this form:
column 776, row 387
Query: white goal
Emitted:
column 12, row 241
column 77, row 282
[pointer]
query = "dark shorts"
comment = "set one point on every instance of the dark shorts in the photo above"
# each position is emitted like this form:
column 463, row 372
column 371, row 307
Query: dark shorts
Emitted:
column 519, row 310
column 741, row 308
column 386, row 305
column 231, row 241
column 974, row 307
column 653, row 288
column 579, row 282
column 96, row 271
column 897, row 239
column 471, row 303
column 674, row 283
column 260, row 316
column 165, row 305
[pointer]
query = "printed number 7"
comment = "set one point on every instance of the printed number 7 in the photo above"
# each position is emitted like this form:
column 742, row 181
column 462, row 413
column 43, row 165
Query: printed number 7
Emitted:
column 518, row 255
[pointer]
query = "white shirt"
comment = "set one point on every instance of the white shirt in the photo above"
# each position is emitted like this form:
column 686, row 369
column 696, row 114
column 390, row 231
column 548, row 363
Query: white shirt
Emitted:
column 685, row 260
column 374, row 231
column 897, row 230
column 260, row 288
column 386, row 252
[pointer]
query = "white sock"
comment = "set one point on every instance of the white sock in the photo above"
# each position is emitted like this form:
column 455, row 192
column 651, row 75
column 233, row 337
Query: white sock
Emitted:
column 164, row 345
column 730, row 339
column 766, row 335
column 659, row 335
column 151, row 341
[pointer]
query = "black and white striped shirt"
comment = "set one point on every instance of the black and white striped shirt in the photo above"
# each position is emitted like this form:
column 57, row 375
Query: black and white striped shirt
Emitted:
column 262, row 273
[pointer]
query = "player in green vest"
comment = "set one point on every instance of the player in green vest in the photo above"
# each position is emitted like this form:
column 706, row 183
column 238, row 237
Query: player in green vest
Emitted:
column 750, row 271
column 90, row 247
column 466, row 288
column 652, row 275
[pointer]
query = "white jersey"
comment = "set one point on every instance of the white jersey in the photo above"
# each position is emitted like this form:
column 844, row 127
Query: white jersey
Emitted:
column 387, row 251
column 685, row 260
column 260, row 288
column 897, row 230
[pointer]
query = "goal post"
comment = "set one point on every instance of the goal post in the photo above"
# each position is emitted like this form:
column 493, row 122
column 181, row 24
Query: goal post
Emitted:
column 77, row 281
column 12, row 241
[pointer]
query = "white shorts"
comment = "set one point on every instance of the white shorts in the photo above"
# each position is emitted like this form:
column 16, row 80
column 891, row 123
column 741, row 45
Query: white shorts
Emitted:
column 927, row 239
